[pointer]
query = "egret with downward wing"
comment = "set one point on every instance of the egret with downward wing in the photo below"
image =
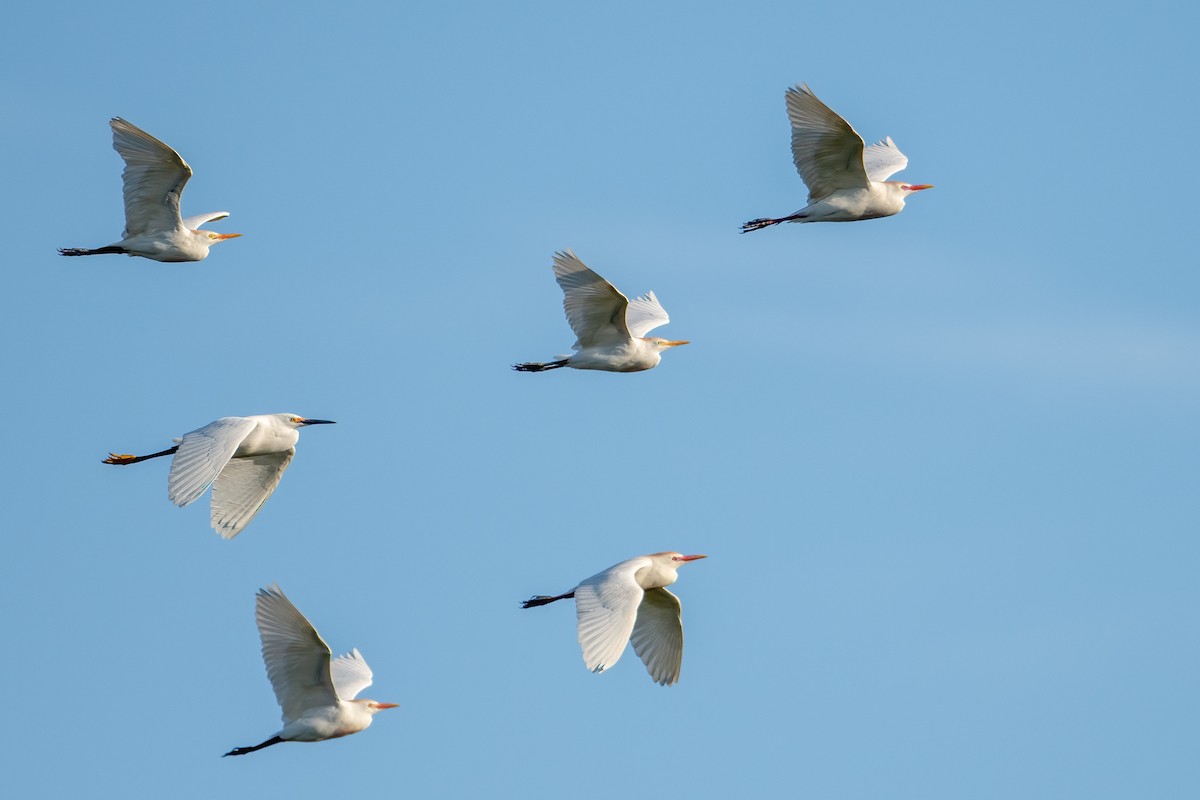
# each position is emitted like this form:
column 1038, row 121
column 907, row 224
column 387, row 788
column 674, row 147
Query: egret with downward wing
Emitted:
column 154, row 179
column 243, row 459
column 630, row 600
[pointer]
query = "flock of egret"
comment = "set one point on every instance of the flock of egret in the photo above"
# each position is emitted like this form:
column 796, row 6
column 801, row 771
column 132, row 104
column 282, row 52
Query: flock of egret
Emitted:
column 244, row 458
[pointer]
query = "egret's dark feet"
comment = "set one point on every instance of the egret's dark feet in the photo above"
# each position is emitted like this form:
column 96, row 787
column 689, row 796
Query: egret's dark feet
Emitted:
column 544, row 599
column 126, row 458
column 758, row 224
column 241, row 751
column 539, row 366
column 83, row 251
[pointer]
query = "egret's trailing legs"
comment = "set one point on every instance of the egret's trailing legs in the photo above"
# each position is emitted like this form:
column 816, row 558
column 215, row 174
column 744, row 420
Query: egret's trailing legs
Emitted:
column 766, row 222
column 241, row 751
column 539, row 366
column 543, row 599
column 122, row 459
column 83, row 251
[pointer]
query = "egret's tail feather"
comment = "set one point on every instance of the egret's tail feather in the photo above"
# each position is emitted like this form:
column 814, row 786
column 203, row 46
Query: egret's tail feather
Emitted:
column 241, row 751
column 83, row 251
column 539, row 366
column 543, row 599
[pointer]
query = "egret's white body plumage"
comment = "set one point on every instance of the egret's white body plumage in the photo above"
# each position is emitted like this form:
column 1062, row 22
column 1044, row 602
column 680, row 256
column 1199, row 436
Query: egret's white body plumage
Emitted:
column 610, row 328
column 629, row 602
column 154, row 178
column 315, row 691
column 847, row 180
column 242, row 458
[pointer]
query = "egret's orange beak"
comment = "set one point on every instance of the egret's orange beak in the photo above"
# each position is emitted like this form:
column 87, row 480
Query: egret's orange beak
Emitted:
column 388, row 705
column 916, row 187
column 689, row 558
column 676, row 344
column 228, row 235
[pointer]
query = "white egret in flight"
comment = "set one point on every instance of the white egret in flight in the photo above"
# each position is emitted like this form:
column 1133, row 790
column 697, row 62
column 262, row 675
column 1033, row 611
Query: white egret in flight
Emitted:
column 243, row 459
column 316, row 692
column 846, row 180
column 611, row 328
column 627, row 601
column 154, row 179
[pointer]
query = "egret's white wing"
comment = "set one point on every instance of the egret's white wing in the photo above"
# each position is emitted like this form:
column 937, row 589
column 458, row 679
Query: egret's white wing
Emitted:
column 883, row 159
column 297, row 657
column 606, row 606
column 595, row 309
column 350, row 674
column 154, row 178
column 192, row 223
column 828, row 153
column 658, row 635
column 242, row 487
column 644, row 315
column 202, row 454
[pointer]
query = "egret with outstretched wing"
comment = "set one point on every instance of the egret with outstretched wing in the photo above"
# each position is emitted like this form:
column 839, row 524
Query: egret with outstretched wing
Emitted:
column 847, row 180
column 610, row 328
column 154, row 179
column 315, row 691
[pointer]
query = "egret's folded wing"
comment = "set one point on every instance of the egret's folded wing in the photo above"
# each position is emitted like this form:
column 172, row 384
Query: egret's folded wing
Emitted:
column 296, row 656
column 202, row 454
column 606, row 606
column 644, row 315
column 883, row 159
column 350, row 674
column 242, row 487
column 828, row 153
column 658, row 635
column 595, row 309
column 154, row 178
column 192, row 223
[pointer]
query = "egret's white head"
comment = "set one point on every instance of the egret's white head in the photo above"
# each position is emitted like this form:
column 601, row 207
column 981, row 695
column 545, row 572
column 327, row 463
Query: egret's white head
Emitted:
column 375, row 707
column 296, row 421
column 663, row 344
column 674, row 560
column 212, row 237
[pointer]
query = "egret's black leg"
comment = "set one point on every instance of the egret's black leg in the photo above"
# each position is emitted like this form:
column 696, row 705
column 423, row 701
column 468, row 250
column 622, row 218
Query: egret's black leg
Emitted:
column 541, row 599
column 539, row 366
column 241, row 751
column 765, row 222
column 114, row 458
column 83, row 251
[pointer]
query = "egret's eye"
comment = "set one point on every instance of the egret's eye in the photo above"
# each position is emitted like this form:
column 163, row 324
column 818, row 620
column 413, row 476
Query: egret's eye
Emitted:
column 212, row 236
column 297, row 419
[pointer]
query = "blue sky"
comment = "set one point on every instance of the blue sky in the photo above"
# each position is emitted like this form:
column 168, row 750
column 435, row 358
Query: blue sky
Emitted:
column 944, row 464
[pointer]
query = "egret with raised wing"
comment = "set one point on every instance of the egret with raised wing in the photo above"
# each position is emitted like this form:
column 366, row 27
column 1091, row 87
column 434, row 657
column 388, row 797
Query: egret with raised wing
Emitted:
column 629, row 601
column 243, row 459
column 611, row 328
column 315, row 691
column 847, row 180
column 154, row 179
